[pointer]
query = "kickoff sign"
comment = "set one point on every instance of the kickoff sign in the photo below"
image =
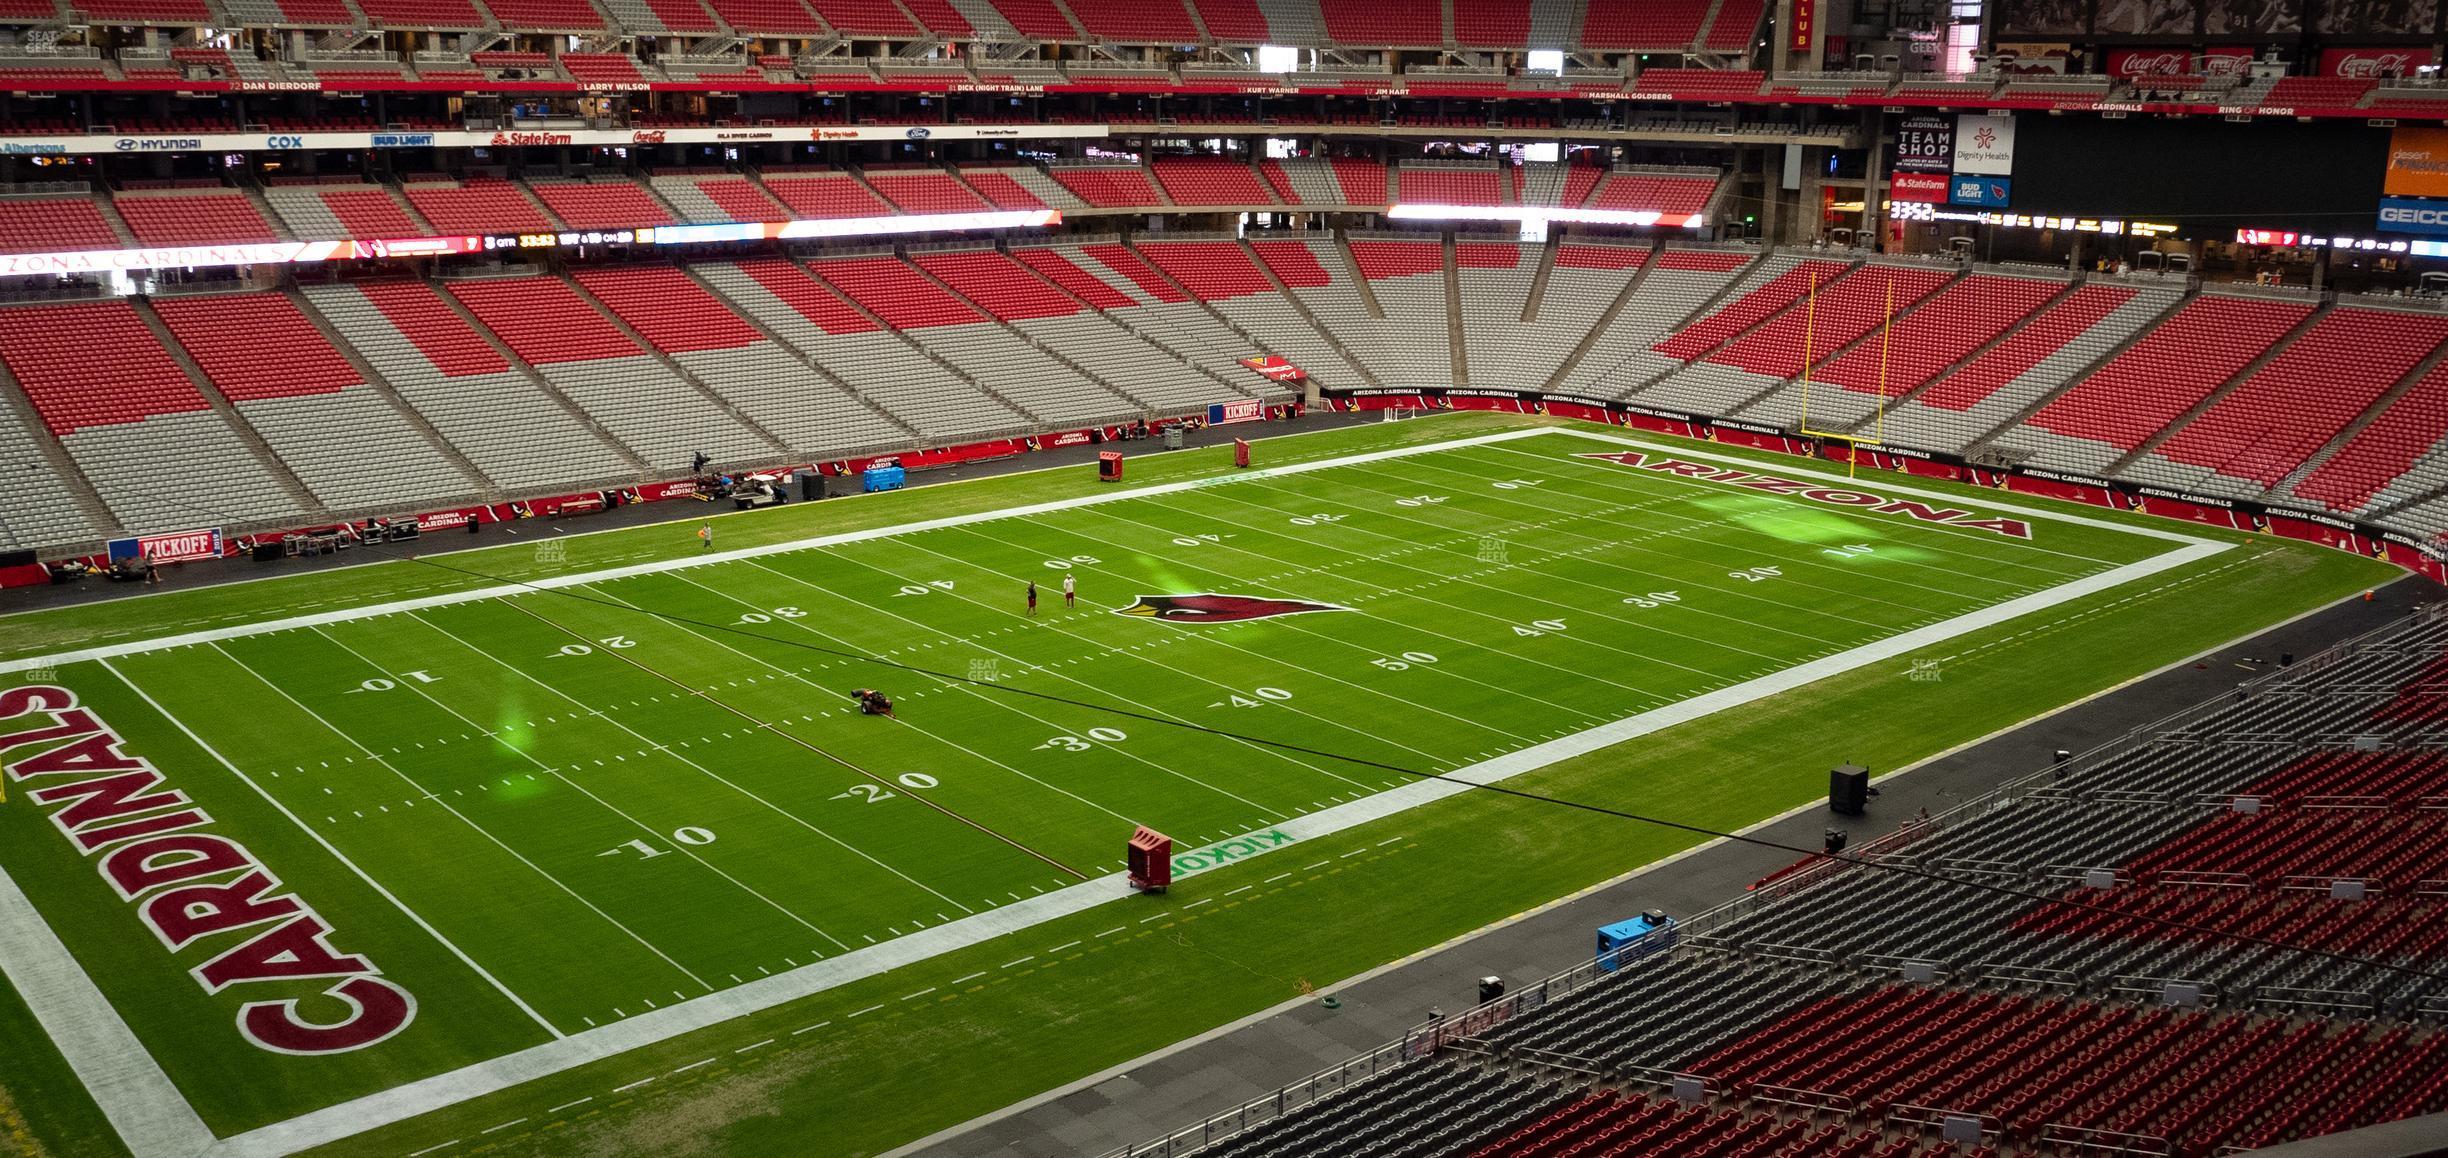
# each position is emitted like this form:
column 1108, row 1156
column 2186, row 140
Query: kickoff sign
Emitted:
column 174, row 547
column 1250, row 410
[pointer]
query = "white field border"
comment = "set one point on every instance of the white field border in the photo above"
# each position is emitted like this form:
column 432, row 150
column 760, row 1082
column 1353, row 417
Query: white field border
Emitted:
column 156, row 1122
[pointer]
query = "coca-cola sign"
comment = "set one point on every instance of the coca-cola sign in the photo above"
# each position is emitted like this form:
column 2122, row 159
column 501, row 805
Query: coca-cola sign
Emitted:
column 2373, row 63
column 2140, row 63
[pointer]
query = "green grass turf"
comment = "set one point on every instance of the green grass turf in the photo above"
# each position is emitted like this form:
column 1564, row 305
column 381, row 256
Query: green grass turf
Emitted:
column 498, row 801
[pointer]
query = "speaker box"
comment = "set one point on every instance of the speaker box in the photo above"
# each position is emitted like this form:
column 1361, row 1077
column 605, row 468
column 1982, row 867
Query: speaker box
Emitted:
column 1848, row 790
column 267, row 552
column 811, row 486
column 16, row 558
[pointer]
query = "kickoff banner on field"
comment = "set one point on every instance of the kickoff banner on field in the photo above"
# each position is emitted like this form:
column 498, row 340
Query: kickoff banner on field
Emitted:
column 1223, row 413
column 173, row 547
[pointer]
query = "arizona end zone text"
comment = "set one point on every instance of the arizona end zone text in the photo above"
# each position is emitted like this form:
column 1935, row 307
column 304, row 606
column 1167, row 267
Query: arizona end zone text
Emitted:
column 1833, row 496
column 187, row 883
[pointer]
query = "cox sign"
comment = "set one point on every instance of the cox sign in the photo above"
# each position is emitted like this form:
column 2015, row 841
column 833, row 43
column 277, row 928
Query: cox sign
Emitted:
column 2408, row 215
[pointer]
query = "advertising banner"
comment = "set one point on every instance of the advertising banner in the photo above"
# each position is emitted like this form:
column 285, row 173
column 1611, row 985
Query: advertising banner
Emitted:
column 1984, row 145
column 2417, row 164
column 2218, row 60
column 1921, row 188
column 172, row 547
column 1925, row 144
column 2408, row 215
column 2033, row 58
column 596, row 138
column 1805, row 22
column 1245, row 410
column 1983, row 192
column 1274, row 369
column 2374, row 63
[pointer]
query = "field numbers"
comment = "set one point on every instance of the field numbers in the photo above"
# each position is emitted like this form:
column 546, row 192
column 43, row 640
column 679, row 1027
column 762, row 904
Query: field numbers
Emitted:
column 1315, row 520
column 1082, row 743
column 1755, row 574
column 689, row 834
column 1514, row 484
column 1849, row 551
column 777, row 613
column 1653, row 599
column 1420, row 501
column 1073, row 561
column 1263, row 697
column 872, row 793
column 928, row 587
column 1537, row 627
column 1404, row 661
column 615, row 642
column 1196, row 540
column 384, row 683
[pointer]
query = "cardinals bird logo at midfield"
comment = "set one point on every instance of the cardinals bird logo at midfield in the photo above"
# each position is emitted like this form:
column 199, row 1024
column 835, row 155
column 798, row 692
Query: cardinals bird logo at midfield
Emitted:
column 1218, row 608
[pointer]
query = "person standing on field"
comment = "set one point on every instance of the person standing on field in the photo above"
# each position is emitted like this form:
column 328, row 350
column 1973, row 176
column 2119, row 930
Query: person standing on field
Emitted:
column 705, row 536
column 1069, row 592
column 1032, row 597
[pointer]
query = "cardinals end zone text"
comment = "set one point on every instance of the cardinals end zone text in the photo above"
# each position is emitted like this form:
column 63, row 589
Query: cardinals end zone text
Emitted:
column 154, row 849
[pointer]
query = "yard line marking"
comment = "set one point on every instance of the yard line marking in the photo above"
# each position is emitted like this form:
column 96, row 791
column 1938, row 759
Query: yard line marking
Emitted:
column 970, row 978
column 758, row 1045
column 328, row 847
column 1318, row 865
column 588, row 578
column 590, row 794
column 1377, row 693
column 631, row 1086
column 431, row 1149
column 919, row 994
column 1277, row 877
column 1004, row 702
column 868, row 1010
column 1022, row 961
column 853, row 766
column 1110, row 932
column 571, row 1105
column 503, row 1126
column 1242, row 889
column 693, row 1065
column 809, row 1028
column 1387, row 841
column 1198, row 902
column 1060, row 948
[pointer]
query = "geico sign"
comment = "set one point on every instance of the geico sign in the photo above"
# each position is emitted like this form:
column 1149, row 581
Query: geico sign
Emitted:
column 2406, row 215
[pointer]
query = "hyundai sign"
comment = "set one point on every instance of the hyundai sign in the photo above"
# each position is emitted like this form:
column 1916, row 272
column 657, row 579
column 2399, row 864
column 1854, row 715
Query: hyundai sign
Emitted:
column 2408, row 215
column 1982, row 192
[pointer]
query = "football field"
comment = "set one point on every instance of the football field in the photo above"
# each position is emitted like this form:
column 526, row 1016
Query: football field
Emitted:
column 290, row 878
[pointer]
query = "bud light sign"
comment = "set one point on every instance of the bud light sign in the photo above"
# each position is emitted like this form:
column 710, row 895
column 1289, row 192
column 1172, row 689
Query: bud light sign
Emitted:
column 1983, row 192
column 2409, row 215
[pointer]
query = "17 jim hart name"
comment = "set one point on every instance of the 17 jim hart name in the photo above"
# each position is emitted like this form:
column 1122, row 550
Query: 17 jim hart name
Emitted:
column 155, row 848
